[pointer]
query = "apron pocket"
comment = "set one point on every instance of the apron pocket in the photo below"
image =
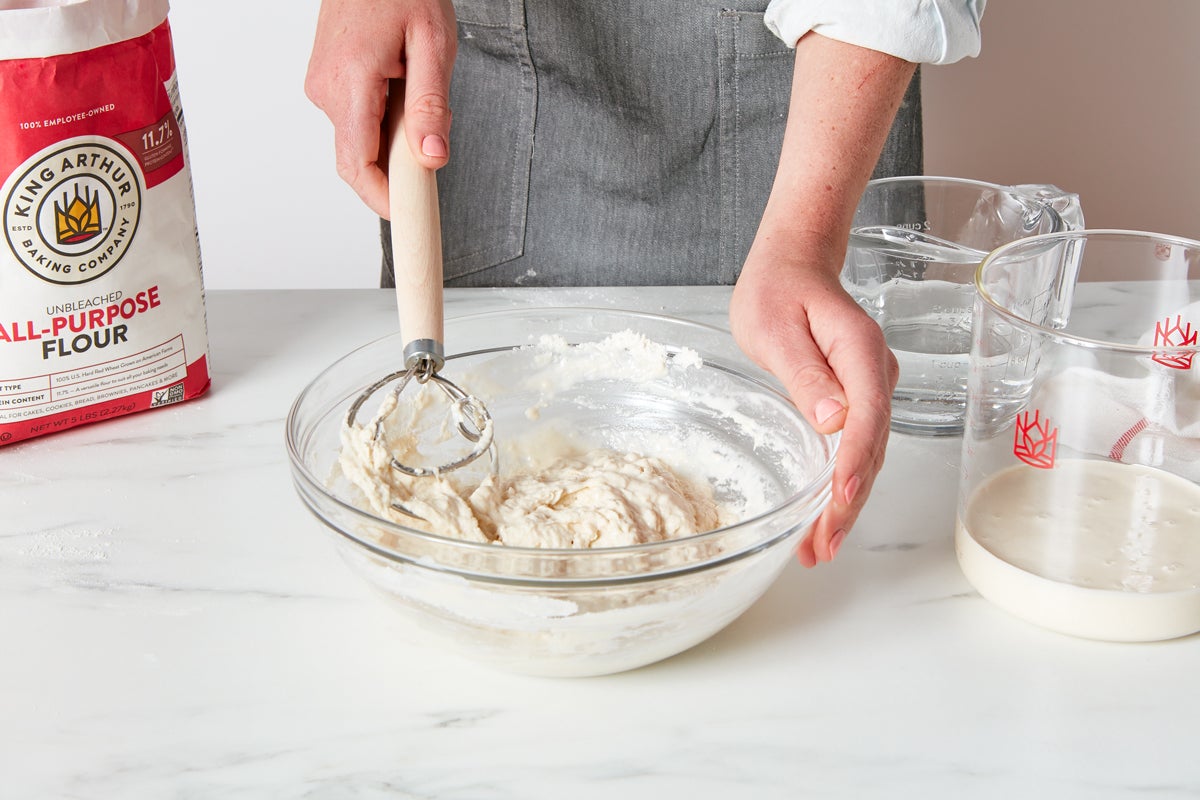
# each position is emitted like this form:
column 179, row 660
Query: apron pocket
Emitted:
column 754, row 88
column 484, row 189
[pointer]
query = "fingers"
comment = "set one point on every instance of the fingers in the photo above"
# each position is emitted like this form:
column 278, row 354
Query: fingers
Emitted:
column 347, row 78
column 357, row 145
column 813, row 387
column 859, row 459
column 360, row 48
column 868, row 373
column 835, row 365
column 429, row 60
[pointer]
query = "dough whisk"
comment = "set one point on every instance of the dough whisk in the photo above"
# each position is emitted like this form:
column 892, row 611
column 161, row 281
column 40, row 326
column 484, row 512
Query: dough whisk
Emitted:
column 417, row 255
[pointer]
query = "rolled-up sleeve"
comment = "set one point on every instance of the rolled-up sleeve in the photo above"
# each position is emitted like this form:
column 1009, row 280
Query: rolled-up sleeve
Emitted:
column 921, row 31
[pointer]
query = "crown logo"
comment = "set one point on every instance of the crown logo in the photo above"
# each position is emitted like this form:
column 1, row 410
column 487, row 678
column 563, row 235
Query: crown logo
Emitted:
column 1035, row 441
column 77, row 219
column 1168, row 334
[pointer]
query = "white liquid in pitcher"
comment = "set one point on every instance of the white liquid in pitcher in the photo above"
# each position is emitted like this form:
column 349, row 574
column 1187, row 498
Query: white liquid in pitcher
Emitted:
column 1090, row 548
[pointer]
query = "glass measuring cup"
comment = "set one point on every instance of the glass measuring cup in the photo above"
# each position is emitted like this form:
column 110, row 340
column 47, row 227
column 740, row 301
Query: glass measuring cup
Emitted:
column 1078, row 505
column 910, row 263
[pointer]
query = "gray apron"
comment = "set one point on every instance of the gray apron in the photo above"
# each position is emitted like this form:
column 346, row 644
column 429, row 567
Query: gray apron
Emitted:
column 617, row 142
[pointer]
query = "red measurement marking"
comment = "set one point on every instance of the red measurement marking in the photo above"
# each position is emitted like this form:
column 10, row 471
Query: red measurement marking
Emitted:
column 1118, row 448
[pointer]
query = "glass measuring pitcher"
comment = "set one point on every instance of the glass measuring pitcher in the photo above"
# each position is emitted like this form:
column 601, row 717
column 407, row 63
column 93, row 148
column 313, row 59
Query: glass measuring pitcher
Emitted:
column 910, row 263
column 1078, row 506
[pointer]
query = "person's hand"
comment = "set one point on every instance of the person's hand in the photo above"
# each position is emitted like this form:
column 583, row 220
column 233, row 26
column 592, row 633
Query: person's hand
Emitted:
column 361, row 45
column 790, row 315
column 789, row 312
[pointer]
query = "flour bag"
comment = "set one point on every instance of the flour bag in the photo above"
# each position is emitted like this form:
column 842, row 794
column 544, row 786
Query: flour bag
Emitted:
column 101, row 293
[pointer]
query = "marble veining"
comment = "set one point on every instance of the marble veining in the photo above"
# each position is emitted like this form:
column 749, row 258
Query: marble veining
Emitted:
column 177, row 625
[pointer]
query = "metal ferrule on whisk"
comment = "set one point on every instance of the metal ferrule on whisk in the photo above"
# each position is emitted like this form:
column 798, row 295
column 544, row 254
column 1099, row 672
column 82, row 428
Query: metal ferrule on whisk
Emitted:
column 424, row 357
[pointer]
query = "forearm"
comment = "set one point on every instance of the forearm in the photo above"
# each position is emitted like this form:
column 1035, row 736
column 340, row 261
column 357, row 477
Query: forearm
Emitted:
column 789, row 312
column 843, row 101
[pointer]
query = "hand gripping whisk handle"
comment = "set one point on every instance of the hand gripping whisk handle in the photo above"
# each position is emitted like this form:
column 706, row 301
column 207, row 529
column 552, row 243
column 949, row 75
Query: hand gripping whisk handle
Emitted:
column 416, row 248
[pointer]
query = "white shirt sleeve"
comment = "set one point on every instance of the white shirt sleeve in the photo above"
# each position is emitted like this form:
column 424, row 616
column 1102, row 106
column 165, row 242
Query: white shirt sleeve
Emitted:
column 921, row 31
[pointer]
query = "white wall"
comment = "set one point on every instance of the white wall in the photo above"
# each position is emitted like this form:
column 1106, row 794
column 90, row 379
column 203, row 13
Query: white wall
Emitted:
column 271, row 210
column 1100, row 97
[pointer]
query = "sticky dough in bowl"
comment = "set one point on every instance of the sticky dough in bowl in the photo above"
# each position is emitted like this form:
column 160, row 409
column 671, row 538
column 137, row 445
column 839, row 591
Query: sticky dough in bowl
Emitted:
column 709, row 413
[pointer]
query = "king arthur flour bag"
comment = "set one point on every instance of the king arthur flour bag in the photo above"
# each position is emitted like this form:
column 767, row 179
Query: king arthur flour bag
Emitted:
column 101, row 295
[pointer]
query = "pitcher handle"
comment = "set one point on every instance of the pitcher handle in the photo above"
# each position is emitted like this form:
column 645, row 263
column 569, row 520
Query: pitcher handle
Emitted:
column 1065, row 203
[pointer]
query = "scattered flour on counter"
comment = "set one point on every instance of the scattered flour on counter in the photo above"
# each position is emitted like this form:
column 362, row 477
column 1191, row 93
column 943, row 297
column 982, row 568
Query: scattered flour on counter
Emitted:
column 70, row 544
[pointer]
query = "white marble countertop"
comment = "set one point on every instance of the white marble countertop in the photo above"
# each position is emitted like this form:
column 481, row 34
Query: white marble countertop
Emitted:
column 177, row 625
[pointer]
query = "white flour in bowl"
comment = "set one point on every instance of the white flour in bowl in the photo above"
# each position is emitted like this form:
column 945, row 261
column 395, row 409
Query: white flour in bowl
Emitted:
column 560, row 497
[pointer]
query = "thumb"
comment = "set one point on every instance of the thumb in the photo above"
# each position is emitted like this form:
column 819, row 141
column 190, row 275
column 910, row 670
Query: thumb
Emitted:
column 813, row 386
column 429, row 60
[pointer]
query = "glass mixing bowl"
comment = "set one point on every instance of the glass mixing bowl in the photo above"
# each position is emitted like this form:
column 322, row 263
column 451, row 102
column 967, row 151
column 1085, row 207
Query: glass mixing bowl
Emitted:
column 583, row 612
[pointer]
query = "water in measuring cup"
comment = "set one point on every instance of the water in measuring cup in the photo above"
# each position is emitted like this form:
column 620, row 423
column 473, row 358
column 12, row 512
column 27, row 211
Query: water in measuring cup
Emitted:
column 920, row 289
column 927, row 325
column 932, row 351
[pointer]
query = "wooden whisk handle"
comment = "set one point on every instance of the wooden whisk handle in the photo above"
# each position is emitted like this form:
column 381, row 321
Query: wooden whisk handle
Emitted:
column 416, row 243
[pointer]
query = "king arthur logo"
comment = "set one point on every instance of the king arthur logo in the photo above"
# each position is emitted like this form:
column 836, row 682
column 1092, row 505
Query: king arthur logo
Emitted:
column 71, row 211
column 1177, row 333
column 1035, row 440
column 79, row 219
